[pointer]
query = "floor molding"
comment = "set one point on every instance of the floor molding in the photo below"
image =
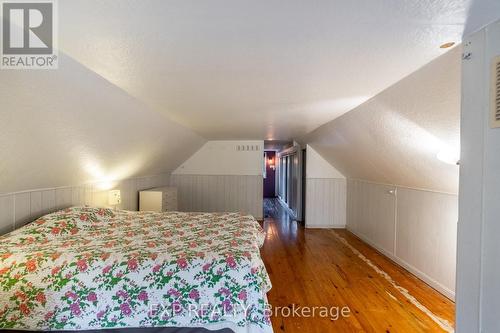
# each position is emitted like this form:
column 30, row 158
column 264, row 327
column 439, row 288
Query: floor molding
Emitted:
column 421, row 275
column 444, row 324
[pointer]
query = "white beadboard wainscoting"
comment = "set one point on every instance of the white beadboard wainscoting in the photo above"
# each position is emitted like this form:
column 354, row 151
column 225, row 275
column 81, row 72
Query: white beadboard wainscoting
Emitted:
column 17, row 209
column 415, row 228
column 325, row 203
column 219, row 193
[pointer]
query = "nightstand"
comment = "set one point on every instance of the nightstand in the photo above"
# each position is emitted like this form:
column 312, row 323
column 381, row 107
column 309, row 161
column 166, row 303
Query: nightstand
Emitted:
column 159, row 199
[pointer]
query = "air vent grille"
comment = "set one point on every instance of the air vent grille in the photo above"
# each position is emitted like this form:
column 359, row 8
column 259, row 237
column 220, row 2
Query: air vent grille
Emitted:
column 495, row 94
column 247, row 148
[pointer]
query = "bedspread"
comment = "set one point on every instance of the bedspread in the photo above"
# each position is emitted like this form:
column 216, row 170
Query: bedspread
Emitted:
column 89, row 268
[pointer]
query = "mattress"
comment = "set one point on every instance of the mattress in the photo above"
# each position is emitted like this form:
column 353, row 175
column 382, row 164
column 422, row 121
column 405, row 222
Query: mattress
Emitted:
column 89, row 269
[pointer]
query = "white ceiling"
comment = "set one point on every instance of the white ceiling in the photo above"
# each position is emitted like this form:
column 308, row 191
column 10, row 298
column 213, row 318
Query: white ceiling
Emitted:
column 233, row 69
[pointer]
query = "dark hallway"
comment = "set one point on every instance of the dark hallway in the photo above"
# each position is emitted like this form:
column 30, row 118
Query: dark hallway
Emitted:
column 270, row 175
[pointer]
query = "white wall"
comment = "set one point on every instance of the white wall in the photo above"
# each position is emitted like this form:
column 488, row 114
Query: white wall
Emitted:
column 415, row 228
column 17, row 209
column 318, row 167
column 478, row 270
column 325, row 193
column 70, row 126
column 219, row 193
column 371, row 213
column 224, row 158
column 222, row 176
column 426, row 235
column 394, row 137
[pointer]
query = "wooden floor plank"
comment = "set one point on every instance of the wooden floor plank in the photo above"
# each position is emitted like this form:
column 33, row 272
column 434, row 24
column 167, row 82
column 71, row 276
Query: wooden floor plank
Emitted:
column 315, row 268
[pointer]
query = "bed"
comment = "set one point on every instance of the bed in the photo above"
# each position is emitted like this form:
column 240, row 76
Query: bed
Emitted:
column 90, row 269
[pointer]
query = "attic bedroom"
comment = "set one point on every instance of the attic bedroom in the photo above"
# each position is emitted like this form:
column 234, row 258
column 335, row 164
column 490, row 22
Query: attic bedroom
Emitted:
column 250, row 166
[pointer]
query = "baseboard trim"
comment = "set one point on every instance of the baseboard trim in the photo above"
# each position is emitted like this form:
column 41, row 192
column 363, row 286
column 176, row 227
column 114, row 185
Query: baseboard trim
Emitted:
column 321, row 226
column 415, row 271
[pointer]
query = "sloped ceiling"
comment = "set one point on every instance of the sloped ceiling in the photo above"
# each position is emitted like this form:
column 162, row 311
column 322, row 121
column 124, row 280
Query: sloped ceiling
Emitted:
column 241, row 69
column 395, row 137
column 69, row 126
column 130, row 72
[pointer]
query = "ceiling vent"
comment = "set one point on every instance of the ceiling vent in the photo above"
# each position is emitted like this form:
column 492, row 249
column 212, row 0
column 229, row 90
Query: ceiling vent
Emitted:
column 495, row 93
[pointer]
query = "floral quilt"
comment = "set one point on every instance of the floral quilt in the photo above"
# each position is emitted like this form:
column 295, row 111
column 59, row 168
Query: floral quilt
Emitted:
column 89, row 268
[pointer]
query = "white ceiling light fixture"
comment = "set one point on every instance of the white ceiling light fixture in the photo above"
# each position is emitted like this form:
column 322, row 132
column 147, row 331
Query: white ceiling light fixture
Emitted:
column 447, row 45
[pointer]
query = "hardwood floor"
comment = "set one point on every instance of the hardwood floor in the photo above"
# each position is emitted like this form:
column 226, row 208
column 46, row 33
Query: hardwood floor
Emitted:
column 315, row 267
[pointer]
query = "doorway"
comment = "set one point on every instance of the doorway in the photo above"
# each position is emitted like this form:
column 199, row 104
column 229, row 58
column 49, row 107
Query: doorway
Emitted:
column 289, row 189
column 270, row 174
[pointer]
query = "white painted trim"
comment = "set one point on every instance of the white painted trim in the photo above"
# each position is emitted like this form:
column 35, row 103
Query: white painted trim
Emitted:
column 201, row 174
column 14, row 214
column 402, row 186
column 81, row 184
column 285, row 206
column 217, row 193
column 326, row 202
column 395, row 247
column 424, row 277
column 319, row 178
column 443, row 323
column 321, row 226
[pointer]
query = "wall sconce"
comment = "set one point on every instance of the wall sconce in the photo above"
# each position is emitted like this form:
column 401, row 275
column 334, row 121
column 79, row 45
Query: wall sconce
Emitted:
column 271, row 164
column 114, row 198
